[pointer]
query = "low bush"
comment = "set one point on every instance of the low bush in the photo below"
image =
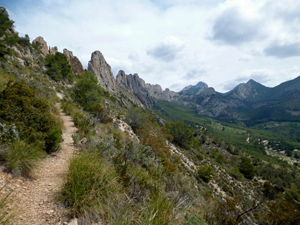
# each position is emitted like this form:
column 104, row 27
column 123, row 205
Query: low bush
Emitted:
column 159, row 210
column 87, row 92
column 205, row 173
column 246, row 167
column 29, row 116
column 21, row 157
column 58, row 67
column 91, row 184
column 235, row 173
column 182, row 134
column 83, row 121
column 53, row 139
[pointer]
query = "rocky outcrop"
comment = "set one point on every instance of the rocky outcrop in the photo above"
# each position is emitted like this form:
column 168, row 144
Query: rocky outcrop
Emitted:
column 136, row 85
column 102, row 70
column 44, row 47
column 53, row 50
column 74, row 62
column 146, row 93
column 42, row 43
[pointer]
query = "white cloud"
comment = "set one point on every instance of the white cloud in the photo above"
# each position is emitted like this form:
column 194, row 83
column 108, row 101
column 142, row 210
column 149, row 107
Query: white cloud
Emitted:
column 168, row 50
column 283, row 50
column 232, row 28
column 256, row 35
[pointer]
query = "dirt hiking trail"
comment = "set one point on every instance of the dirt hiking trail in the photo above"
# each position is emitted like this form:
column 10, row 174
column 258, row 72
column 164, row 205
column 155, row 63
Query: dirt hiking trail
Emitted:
column 34, row 200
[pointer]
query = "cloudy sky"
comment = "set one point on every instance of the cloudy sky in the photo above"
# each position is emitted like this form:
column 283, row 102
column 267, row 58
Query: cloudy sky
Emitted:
column 173, row 43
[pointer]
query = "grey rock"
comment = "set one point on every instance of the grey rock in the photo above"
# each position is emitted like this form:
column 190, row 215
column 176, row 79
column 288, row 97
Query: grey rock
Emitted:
column 53, row 50
column 146, row 93
column 102, row 70
column 74, row 62
column 43, row 44
column 44, row 47
column 73, row 222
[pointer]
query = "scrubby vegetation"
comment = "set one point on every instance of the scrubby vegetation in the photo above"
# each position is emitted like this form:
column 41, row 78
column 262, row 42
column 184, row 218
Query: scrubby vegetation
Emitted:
column 165, row 167
column 30, row 116
column 28, row 127
column 58, row 67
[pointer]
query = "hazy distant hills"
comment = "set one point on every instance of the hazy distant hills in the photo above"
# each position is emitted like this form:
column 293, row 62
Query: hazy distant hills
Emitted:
column 251, row 102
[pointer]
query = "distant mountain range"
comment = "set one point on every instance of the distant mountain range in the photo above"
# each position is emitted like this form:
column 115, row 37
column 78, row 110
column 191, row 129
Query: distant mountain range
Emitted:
column 250, row 102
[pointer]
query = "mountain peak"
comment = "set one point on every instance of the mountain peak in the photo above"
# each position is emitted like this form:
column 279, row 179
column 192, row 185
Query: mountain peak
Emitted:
column 252, row 82
column 250, row 90
column 102, row 70
column 194, row 89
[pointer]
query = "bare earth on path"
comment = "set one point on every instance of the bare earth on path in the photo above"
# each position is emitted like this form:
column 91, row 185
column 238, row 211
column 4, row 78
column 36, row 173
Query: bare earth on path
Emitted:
column 34, row 200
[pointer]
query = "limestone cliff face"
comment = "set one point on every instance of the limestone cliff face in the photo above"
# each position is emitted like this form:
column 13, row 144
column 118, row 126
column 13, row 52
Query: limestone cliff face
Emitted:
column 44, row 47
column 74, row 62
column 102, row 70
column 147, row 93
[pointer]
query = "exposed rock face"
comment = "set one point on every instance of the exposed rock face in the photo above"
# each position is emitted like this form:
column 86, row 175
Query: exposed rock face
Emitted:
column 102, row 70
column 251, row 91
column 53, row 50
column 145, row 92
column 42, row 43
column 194, row 90
column 74, row 62
column 44, row 47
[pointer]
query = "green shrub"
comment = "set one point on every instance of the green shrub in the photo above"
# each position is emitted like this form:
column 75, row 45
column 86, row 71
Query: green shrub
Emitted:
column 83, row 121
column 5, row 22
column 29, row 116
column 102, row 113
column 182, row 134
column 91, row 184
column 205, row 173
column 68, row 107
column 159, row 210
column 235, row 173
column 87, row 92
column 21, row 157
column 246, row 167
column 25, row 41
column 58, row 67
column 220, row 158
column 53, row 139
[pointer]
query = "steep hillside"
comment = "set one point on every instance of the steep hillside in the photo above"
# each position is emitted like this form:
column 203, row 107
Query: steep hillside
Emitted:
column 132, row 166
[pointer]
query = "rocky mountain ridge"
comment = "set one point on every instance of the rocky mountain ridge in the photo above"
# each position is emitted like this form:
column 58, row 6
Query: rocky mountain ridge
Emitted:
column 145, row 92
column 246, row 101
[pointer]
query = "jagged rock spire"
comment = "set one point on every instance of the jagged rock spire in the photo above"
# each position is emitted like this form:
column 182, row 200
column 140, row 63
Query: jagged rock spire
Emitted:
column 74, row 62
column 102, row 70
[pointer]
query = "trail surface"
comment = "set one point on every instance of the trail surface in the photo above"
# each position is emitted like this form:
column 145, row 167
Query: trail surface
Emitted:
column 34, row 200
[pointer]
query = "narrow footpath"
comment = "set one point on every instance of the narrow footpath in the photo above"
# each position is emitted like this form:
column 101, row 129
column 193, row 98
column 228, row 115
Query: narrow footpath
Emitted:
column 34, row 200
